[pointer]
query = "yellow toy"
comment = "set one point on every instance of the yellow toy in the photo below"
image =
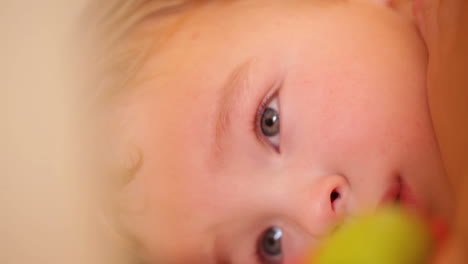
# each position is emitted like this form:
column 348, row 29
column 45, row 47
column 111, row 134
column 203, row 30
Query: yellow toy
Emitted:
column 389, row 236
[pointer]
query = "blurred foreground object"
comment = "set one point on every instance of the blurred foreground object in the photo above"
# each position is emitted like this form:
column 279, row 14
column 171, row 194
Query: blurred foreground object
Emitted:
column 389, row 236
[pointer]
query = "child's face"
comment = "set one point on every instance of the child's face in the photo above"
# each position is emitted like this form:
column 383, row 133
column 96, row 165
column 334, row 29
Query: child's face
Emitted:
column 261, row 123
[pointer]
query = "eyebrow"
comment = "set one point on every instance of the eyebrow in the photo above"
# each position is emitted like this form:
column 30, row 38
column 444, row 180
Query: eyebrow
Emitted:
column 234, row 93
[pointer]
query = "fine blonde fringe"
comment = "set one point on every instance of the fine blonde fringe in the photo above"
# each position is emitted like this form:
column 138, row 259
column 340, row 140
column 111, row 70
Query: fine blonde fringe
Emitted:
column 110, row 58
column 113, row 56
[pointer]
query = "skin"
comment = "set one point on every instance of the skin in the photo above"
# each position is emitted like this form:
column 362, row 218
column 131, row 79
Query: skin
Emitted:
column 444, row 26
column 350, row 84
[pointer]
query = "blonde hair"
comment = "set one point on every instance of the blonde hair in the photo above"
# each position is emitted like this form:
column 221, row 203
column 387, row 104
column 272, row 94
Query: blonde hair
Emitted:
column 111, row 56
column 114, row 54
column 114, row 51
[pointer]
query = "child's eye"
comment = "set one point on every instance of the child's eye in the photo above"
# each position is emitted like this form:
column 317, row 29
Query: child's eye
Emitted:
column 269, row 246
column 270, row 122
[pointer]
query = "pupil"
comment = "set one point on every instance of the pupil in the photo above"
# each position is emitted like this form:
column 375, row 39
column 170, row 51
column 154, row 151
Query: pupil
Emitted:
column 272, row 241
column 269, row 122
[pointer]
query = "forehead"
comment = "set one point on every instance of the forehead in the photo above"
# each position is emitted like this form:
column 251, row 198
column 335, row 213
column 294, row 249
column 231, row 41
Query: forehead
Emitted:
column 231, row 31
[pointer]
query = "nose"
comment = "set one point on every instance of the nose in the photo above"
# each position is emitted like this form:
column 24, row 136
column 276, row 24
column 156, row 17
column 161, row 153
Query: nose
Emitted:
column 330, row 198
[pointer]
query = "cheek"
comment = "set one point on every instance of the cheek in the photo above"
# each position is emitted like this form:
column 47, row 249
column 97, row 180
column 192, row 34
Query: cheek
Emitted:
column 359, row 125
column 356, row 129
column 373, row 129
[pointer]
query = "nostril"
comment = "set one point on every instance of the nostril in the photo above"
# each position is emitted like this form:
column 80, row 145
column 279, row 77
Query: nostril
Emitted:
column 335, row 195
column 337, row 200
column 330, row 197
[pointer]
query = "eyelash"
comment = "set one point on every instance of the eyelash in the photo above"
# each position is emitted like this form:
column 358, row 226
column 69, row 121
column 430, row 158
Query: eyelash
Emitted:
column 261, row 108
column 257, row 253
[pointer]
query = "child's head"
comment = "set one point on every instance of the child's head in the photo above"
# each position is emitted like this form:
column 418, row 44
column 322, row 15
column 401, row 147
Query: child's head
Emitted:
column 258, row 124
